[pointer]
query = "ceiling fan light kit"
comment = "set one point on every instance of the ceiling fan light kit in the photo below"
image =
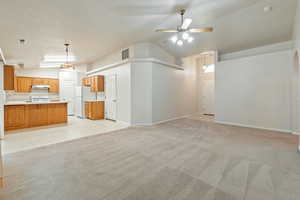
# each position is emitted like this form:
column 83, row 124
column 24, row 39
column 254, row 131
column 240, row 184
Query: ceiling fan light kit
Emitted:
column 183, row 31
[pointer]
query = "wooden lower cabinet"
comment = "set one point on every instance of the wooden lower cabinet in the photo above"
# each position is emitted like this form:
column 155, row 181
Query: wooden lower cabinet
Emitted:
column 94, row 110
column 57, row 113
column 33, row 115
column 37, row 115
column 15, row 117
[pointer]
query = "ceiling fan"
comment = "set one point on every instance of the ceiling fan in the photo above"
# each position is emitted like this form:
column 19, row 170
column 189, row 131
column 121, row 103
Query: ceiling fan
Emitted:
column 184, row 29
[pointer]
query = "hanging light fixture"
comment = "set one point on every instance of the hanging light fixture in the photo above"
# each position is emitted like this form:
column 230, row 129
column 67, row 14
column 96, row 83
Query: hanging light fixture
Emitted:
column 67, row 65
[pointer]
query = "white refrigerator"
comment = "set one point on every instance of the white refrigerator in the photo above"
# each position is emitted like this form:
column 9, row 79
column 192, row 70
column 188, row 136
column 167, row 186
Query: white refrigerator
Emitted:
column 83, row 94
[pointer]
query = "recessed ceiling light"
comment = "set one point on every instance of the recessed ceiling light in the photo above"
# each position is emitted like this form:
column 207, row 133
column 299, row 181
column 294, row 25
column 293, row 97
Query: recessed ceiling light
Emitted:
column 268, row 8
column 179, row 42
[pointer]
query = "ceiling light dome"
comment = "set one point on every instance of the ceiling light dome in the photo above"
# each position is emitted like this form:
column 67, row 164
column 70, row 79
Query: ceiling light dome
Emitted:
column 185, row 36
column 179, row 42
column 174, row 39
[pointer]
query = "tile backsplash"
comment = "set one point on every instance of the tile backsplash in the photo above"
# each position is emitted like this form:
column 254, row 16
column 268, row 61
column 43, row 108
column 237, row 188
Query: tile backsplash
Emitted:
column 100, row 96
column 16, row 96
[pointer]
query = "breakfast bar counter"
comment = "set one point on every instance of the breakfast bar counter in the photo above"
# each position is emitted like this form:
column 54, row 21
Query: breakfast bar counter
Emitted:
column 19, row 115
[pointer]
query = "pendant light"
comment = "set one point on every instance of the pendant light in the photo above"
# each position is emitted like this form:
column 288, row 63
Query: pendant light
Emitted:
column 67, row 65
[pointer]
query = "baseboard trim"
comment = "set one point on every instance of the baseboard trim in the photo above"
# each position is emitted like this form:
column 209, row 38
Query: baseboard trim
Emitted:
column 296, row 133
column 250, row 126
column 126, row 123
column 168, row 120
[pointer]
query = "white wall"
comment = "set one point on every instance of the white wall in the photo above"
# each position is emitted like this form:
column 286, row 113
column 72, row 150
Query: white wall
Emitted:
column 174, row 92
column 141, row 93
column 123, row 73
column 296, row 103
column 39, row 73
column 111, row 58
column 255, row 91
column 158, row 92
column 149, row 50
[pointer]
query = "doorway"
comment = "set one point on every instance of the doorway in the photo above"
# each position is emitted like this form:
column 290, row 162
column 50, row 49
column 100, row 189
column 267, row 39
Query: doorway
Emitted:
column 111, row 97
column 206, row 84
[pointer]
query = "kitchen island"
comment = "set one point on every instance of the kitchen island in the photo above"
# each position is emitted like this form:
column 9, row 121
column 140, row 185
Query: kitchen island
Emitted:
column 20, row 115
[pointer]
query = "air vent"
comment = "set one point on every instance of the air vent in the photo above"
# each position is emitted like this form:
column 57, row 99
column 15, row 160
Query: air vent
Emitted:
column 125, row 54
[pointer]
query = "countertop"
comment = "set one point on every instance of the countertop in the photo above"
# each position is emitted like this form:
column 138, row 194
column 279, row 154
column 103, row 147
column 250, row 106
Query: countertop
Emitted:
column 30, row 103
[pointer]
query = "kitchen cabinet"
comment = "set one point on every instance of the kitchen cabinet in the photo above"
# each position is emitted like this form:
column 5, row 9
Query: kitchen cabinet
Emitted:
column 38, row 115
column 9, row 77
column 23, row 84
column 87, row 81
column 54, row 85
column 40, row 81
column 95, row 82
column 33, row 115
column 15, row 117
column 57, row 113
column 94, row 110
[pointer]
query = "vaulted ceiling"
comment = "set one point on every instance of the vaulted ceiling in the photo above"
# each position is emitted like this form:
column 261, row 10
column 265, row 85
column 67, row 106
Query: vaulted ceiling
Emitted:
column 96, row 28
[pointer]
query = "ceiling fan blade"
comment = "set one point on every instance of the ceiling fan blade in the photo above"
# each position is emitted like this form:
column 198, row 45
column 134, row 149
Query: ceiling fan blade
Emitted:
column 167, row 30
column 186, row 23
column 201, row 30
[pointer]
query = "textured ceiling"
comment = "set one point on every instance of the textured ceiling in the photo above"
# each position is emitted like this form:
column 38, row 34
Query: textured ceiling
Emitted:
column 96, row 28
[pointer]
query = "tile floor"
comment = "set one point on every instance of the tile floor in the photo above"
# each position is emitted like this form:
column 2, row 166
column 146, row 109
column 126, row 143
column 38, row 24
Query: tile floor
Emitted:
column 25, row 139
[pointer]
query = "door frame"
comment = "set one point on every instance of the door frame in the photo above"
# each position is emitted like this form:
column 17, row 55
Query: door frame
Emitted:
column 116, row 97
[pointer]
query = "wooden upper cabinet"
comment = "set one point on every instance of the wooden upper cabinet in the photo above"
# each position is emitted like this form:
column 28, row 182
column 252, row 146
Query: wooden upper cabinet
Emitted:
column 40, row 81
column 54, row 85
column 9, row 77
column 97, row 84
column 23, row 84
column 87, row 81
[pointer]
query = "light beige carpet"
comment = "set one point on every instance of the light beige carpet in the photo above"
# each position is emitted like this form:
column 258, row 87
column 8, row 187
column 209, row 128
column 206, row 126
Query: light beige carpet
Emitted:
column 180, row 160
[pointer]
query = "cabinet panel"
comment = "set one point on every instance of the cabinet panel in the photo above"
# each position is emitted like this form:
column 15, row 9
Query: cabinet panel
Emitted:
column 9, row 77
column 33, row 115
column 14, row 117
column 57, row 113
column 24, row 84
column 94, row 110
column 54, row 85
column 37, row 115
column 40, row 81
column 97, row 84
